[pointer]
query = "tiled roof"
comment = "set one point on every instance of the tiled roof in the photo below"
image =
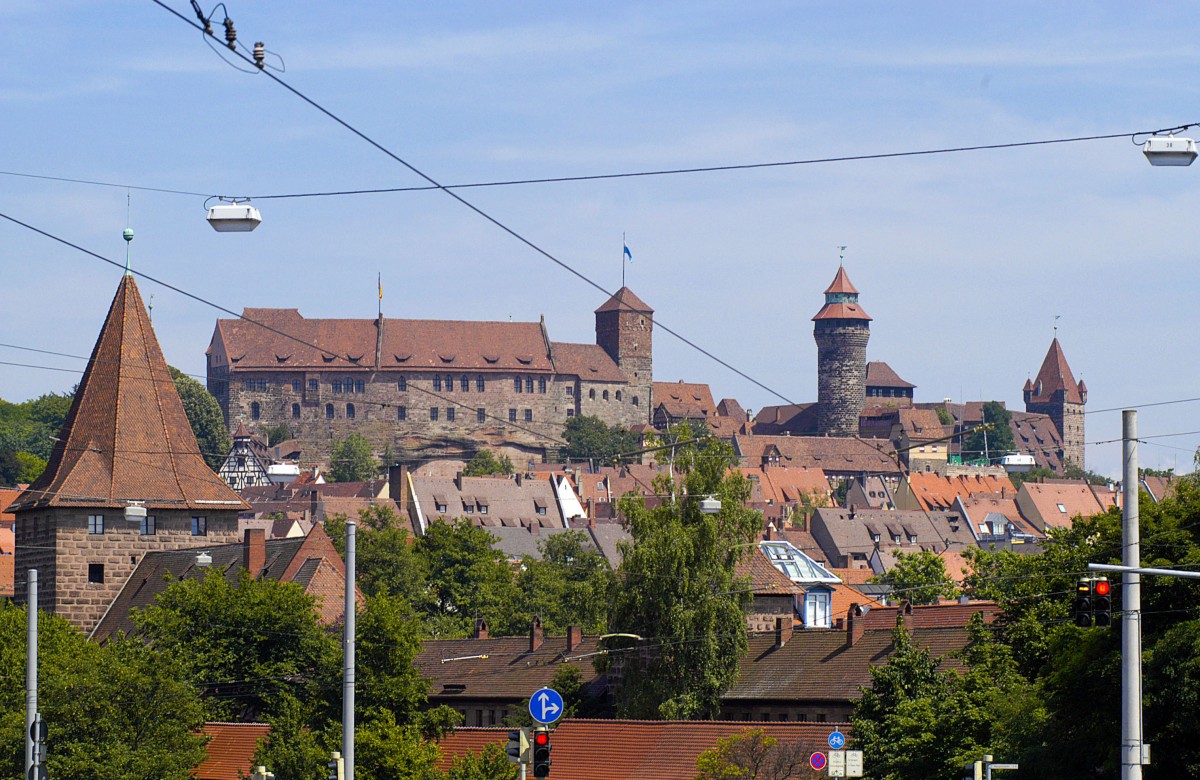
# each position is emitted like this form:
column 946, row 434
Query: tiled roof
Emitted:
column 684, row 399
column 7, row 497
column 498, row 668
column 1036, row 435
column 843, row 532
column 1055, row 504
column 841, row 283
column 126, row 437
column 845, row 596
column 1159, row 488
column 506, row 501
column 836, row 455
column 624, row 300
column 787, row 485
column 880, row 374
column 623, row 749
column 793, row 419
column 589, row 362
column 230, row 750
column 765, row 579
column 729, row 407
column 597, row 486
column 1055, row 375
column 979, row 507
column 841, row 311
column 7, row 561
column 933, row 491
column 921, row 424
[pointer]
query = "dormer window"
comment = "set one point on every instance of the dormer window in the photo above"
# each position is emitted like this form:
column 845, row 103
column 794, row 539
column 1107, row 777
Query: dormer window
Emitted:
column 1062, row 509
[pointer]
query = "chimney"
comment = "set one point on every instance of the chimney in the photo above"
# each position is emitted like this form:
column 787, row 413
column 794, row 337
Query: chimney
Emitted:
column 964, row 599
column 535, row 634
column 314, row 498
column 398, row 488
column 591, row 518
column 783, row 631
column 481, row 629
column 518, row 477
column 254, row 551
column 855, row 625
column 458, row 481
column 574, row 637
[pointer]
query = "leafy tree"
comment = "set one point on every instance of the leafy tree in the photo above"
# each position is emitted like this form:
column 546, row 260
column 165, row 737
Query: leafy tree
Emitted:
column 204, row 414
column 999, row 437
column 489, row 764
column 278, row 433
column 676, row 585
column 753, row 755
column 944, row 416
column 1019, row 478
column 466, row 579
column 352, row 460
column 590, row 438
column 389, row 634
column 919, row 578
column 568, row 586
column 31, row 467
column 26, row 435
column 486, row 463
column 1072, row 471
column 386, row 562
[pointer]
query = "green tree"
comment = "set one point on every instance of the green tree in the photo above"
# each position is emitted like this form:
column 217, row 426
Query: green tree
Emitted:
column 278, row 433
column 1019, row 478
column 486, row 463
column 568, row 586
column 676, row 586
column 999, row 437
column 489, row 764
column 919, row 578
column 352, row 460
column 27, row 432
column 467, row 579
column 386, row 562
column 590, row 438
column 31, row 467
column 204, row 414
column 753, row 755
column 1073, row 471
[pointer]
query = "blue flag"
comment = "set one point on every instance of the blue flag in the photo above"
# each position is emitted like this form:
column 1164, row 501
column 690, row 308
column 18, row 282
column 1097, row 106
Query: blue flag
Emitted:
column 628, row 253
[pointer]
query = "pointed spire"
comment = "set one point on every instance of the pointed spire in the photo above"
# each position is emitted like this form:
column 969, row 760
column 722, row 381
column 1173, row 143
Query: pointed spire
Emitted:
column 624, row 300
column 126, row 437
column 1054, row 376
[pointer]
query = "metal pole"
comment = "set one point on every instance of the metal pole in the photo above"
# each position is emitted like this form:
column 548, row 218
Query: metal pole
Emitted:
column 348, row 670
column 1131, row 606
column 31, row 668
column 522, row 765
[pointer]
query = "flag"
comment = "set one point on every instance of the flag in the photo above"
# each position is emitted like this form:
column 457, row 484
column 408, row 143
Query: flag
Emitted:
column 627, row 252
column 380, row 280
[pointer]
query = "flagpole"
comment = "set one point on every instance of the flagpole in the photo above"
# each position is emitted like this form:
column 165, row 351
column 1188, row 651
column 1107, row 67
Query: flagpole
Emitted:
column 623, row 245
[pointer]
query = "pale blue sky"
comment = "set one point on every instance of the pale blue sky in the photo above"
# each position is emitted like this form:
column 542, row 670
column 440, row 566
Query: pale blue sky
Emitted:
column 963, row 260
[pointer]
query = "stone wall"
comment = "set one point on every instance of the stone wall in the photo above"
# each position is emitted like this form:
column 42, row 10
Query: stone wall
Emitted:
column 1068, row 419
column 841, row 374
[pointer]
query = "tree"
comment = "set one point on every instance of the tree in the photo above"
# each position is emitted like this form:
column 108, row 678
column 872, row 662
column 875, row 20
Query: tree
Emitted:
column 352, row 460
column 489, row 764
column 467, row 579
column 753, row 755
column 386, row 562
column 568, row 586
column 485, row 463
column 278, row 433
column 27, row 432
column 1019, row 478
column 919, row 578
column 994, row 442
column 590, row 438
column 676, row 585
column 204, row 414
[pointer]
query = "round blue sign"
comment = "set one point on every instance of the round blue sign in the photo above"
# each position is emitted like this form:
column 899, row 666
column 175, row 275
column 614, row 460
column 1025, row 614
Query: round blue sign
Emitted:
column 817, row 761
column 546, row 705
column 837, row 740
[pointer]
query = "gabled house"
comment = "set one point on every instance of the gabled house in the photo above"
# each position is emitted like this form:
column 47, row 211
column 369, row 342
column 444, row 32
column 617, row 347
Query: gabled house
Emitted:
column 247, row 463
column 849, row 537
column 486, row 501
column 1056, row 503
column 816, row 582
column 938, row 492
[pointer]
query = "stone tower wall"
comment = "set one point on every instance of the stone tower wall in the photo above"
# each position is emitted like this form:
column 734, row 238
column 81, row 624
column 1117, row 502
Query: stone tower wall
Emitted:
column 1068, row 419
column 627, row 336
column 841, row 375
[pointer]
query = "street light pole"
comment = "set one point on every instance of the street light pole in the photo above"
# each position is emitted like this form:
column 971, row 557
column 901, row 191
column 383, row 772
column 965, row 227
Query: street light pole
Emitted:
column 31, row 667
column 348, row 648
column 1131, row 606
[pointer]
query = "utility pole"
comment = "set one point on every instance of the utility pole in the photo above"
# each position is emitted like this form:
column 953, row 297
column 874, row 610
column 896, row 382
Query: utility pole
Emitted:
column 31, row 668
column 1131, row 606
column 348, row 648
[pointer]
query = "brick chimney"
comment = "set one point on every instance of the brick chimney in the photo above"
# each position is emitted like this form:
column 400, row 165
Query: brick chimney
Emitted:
column 398, row 488
column 458, row 480
column 574, row 637
column 481, row 629
column 783, row 631
column 855, row 625
column 535, row 634
column 254, row 551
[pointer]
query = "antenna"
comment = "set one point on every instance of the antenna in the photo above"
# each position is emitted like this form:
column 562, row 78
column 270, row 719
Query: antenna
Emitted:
column 127, row 233
column 1057, row 317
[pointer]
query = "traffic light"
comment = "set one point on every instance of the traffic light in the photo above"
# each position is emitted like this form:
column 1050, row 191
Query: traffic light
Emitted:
column 337, row 766
column 973, row 771
column 1083, row 603
column 518, row 746
column 541, row 752
column 1102, row 601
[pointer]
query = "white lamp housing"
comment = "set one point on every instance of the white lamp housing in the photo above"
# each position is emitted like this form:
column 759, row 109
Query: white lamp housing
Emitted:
column 1169, row 150
column 710, row 505
column 135, row 512
column 234, row 217
column 203, row 559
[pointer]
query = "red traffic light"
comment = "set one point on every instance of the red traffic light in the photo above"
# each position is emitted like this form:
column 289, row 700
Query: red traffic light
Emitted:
column 1102, row 587
column 541, row 738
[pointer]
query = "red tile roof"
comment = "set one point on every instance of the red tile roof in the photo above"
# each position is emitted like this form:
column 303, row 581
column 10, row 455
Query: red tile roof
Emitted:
column 589, row 362
column 623, row 749
column 841, row 311
column 126, row 437
column 765, row 579
column 7, row 561
column 230, row 750
column 1055, row 375
column 933, row 491
column 624, row 300
column 880, row 374
column 841, row 283
column 834, row 455
column 684, row 399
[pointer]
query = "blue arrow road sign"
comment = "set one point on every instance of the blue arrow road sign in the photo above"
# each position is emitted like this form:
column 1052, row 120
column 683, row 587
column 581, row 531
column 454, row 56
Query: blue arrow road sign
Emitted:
column 837, row 740
column 546, row 705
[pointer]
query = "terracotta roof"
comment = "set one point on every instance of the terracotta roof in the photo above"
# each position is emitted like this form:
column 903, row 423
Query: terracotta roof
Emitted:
column 793, row 419
column 609, row 481
column 126, row 437
column 845, row 596
column 621, row 749
column 933, row 491
column 589, row 362
column 765, row 579
column 841, row 283
column 242, row 431
column 880, row 374
column 1055, row 504
column 834, row 455
column 1055, row 375
column 684, row 399
column 841, row 311
column 1159, row 488
column 624, row 300
column 950, row 614
column 7, row 497
column 7, row 561
column 230, row 750
column 786, row 485
column 729, row 407
column 977, row 508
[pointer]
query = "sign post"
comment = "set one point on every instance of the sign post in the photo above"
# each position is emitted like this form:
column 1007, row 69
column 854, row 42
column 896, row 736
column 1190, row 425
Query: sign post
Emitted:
column 837, row 763
column 546, row 705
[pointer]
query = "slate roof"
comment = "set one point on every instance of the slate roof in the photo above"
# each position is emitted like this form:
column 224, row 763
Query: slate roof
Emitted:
column 880, row 374
column 623, row 749
column 833, row 455
column 1055, row 375
column 126, row 437
column 230, row 750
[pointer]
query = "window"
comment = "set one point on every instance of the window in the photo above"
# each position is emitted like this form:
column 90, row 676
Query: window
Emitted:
column 605, row 395
column 402, row 384
column 95, row 524
column 401, row 412
column 512, row 415
column 328, row 411
column 336, row 385
column 469, row 508
column 479, row 384
column 1062, row 509
column 875, row 538
column 592, row 394
column 441, row 508
column 528, row 415
column 348, row 385
column 349, row 411
column 570, row 413
column 297, row 386
column 313, row 385
column 618, row 395
column 541, row 384
column 517, row 385
column 570, row 390
column 465, row 383
column 816, row 609
column 437, row 382
column 255, row 384
column 529, row 384
column 449, row 382
column 480, row 415
column 295, row 411
column 96, row 573
column 255, row 411
column 149, row 525
column 450, row 413
column 912, row 538
column 541, row 510
column 483, row 509
column 635, row 400
column 360, row 386
column 433, row 413
column 199, row 525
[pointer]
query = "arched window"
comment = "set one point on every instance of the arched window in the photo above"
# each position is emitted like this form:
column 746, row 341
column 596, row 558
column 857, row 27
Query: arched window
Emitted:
column 401, row 412
column 449, row 382
column 437, row 382
column 635, row 400
column 464, row 382
column 360, row 386
column 337, row 385
column 255, row 411
column 295, row 411
column 479, row 385
column 348, row 384
column 618, row 395
column 541, row 384
column 402, row 384
column 517, row 384
column 328, row 411
column 605, row 395
column 592, row 394
column 349, row 411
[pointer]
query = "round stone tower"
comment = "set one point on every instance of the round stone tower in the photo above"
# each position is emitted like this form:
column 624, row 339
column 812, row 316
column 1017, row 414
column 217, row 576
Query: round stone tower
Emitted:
column 841, row 329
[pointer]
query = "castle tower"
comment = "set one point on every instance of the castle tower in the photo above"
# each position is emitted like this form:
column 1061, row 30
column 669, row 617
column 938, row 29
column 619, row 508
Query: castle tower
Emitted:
column 1056, row 394
column 841, row 329
column 624, row 329
column 126, row 439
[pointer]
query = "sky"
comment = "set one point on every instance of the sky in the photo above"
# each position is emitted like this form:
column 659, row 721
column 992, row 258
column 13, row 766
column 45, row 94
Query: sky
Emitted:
column 964, row 260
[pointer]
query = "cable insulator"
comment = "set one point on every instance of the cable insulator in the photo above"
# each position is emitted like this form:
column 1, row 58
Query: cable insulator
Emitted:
column 230, row 34
column 260, row 52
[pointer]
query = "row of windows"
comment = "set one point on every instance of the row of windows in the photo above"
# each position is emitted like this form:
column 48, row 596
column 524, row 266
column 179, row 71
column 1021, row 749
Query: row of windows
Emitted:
column 149, row 525
column 349, row 385
column 526, row 385
column 435, row 413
